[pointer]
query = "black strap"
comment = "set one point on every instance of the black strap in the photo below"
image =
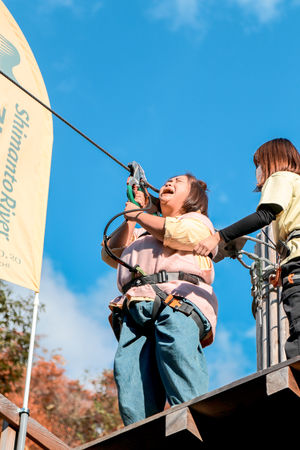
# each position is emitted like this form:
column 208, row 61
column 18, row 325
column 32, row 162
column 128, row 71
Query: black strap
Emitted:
column 281, row 246
column 185, row 308
column 159, row 301
column 162, row 277
column 294, row 234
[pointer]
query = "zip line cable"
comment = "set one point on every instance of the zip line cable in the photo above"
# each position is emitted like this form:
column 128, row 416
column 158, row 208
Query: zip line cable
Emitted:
column 71, row 126
column 88, row 139
column 145, row 183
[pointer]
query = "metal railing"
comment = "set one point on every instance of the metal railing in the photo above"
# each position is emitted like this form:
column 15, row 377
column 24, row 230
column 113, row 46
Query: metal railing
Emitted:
column 271, row 322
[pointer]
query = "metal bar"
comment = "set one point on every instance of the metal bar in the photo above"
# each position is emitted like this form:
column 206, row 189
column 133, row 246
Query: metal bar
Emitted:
column 267, row 304
column 271, row 321
column 24, row 412
column 283, row 327
column 257, row 308
column 259, row 241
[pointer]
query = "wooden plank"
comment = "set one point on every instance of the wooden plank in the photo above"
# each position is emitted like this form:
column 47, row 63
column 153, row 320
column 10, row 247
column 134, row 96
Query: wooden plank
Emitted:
column 9, row 411
column 8, row 437
column 36, row 432
column 181, row 420
column 231, row 411
column 282, row 379
column 146, row 434
column 240, row 393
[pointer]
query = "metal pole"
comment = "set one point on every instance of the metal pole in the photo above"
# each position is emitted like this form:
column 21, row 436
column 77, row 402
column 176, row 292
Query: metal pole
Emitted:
column 24, row 412
column 259, row 305
column 271, row 321
column 274, row 334
column 266, row 303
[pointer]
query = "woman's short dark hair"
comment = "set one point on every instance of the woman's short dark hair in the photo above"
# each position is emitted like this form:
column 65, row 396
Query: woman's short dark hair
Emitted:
column 197, row 199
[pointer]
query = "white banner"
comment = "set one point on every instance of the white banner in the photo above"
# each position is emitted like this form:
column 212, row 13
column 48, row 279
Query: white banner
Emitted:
column 26, row 138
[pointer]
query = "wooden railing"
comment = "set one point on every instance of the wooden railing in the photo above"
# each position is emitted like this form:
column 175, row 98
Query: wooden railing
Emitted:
column 234, row 413
column 9, row 412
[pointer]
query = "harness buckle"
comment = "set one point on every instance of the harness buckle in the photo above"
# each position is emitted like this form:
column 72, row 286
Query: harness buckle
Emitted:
column 173, row 302
column 162, row 276
column 168, row 299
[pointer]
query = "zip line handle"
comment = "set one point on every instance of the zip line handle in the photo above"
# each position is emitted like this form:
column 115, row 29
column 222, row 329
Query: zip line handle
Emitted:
column 130, row 195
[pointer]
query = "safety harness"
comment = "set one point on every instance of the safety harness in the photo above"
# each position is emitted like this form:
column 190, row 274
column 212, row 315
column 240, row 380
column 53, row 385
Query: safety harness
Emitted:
column 292, row 278
column 162, row 299
column 282, row 247
column 139, row 277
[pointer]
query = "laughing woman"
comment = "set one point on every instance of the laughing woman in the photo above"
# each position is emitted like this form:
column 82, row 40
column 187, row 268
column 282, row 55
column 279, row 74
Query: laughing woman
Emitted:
column 160, row 352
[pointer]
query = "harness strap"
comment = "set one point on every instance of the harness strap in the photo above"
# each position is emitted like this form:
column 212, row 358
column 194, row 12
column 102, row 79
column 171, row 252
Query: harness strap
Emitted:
column 294, row 234
column 281, row 246
column 162, row 300
column 162, row 277
column 291, row 279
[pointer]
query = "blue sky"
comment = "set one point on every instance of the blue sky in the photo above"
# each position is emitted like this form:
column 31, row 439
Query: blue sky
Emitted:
column 177, row 85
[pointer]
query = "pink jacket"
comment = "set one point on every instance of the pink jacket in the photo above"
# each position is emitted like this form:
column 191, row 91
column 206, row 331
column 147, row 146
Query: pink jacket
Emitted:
column 152, row 256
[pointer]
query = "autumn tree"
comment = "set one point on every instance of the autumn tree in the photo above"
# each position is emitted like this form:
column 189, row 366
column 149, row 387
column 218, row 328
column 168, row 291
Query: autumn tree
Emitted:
column 74, row 413
column 15, row 325
column 106, row 402
column 66, row 408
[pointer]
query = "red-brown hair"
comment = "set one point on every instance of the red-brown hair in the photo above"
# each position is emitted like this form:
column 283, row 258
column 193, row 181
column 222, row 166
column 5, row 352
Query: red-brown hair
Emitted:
column 274, row 156
column 197, row 199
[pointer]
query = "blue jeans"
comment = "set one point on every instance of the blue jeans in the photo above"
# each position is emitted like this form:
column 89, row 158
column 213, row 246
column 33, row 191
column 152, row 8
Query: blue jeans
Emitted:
column 167, row 363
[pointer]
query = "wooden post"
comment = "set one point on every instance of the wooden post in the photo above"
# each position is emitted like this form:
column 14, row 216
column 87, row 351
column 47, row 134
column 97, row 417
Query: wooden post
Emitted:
column 35, row 431
column 8, row 437
column 179, row 421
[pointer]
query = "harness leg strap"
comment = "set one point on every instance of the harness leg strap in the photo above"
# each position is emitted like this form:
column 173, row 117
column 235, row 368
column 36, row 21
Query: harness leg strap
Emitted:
column 158, row 306
column 185, row 308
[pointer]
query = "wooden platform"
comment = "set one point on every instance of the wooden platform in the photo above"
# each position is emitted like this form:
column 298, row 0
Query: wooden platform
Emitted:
column 260, row 409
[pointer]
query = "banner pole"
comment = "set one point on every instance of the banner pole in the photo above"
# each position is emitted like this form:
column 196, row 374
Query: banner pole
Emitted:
column 24, row 412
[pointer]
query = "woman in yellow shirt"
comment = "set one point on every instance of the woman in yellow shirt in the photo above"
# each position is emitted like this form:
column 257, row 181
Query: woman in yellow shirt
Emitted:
column 278, row 178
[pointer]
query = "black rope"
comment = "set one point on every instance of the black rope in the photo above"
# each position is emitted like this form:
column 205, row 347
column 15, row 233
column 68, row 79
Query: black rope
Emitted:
column 145, row 183
column 106, row 238
column 71, row 126
column 273, row 243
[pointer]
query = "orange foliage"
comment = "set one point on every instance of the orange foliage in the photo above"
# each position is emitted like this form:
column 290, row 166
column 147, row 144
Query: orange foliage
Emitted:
column 70, row 411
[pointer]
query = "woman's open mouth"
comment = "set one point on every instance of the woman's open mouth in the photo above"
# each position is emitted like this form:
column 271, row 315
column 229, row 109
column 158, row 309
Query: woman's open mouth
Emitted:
column 169, row 190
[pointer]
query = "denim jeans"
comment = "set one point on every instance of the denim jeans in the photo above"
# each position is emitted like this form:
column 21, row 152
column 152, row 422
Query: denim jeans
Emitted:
column 167, row 363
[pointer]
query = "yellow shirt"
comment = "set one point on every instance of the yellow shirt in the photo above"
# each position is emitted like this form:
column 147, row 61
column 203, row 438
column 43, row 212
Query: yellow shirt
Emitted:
column 185, row 234
column 283, row 189
column 179, row 235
